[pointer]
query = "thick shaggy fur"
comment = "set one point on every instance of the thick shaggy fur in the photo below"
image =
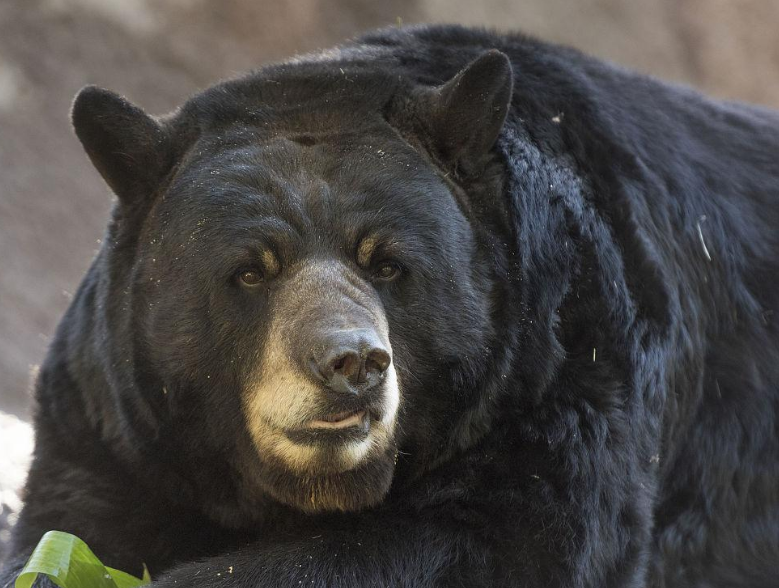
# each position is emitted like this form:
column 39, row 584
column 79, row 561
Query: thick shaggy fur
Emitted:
column 589, row 360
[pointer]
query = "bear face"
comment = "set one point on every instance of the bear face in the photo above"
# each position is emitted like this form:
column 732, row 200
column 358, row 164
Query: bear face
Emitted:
column 305, row 285
column 290, row 259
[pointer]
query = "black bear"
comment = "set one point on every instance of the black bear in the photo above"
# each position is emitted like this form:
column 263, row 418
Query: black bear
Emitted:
column 439, row 307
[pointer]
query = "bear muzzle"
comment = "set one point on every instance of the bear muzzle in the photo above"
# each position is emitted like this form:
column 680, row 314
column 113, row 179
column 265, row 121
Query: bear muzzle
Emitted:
column 326, row 394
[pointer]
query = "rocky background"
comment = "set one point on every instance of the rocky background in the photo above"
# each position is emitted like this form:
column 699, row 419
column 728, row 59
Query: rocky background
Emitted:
column 53, row 206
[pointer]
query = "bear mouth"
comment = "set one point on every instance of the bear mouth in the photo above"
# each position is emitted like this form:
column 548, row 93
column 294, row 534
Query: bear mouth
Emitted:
column 340, row 420
column 333, row 429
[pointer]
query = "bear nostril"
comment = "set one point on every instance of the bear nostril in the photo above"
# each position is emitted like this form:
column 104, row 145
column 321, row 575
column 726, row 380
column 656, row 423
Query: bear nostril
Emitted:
column 347, row 365
column 377, row 361
column 339, row 364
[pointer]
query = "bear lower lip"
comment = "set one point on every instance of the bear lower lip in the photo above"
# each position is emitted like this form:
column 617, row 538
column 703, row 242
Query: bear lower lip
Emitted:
column 342, row 420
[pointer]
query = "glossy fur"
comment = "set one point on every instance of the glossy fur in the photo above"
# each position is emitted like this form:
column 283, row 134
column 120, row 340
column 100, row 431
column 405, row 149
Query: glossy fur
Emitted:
column 585, row 332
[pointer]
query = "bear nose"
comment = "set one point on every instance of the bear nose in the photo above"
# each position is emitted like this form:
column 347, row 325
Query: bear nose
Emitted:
column 351, row 361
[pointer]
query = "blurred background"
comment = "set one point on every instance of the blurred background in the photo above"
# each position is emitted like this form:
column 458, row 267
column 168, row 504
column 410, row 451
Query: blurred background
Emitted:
column 53, row 206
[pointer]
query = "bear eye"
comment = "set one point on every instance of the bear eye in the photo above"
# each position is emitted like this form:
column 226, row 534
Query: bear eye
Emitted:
column 387, row 271
column 250, row 277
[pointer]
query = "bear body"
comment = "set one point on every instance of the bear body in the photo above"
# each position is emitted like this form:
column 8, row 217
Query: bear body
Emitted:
column 437, row 308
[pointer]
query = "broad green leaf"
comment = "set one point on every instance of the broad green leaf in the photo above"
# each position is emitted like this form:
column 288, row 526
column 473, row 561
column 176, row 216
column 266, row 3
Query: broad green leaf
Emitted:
column 69, row 563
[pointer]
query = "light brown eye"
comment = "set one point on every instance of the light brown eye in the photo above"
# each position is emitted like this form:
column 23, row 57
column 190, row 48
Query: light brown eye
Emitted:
column 387, row 271
column 250, row 277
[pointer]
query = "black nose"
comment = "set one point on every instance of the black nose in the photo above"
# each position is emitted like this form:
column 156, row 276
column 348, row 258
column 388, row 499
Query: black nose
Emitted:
column 351, row 361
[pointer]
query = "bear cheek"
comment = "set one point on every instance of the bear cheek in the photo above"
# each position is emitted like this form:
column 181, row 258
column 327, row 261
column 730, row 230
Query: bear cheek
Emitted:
column 276, row 398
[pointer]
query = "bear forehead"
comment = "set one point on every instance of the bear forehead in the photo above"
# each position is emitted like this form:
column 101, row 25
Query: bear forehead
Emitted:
column 322, row 176
column 320, row 189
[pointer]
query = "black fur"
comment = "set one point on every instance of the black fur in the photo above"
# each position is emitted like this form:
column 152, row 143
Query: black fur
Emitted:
column 585, row 331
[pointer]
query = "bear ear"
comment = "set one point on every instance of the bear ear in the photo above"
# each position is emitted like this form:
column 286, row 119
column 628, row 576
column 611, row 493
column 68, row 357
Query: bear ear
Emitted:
column 469, row 110
column 126, row 145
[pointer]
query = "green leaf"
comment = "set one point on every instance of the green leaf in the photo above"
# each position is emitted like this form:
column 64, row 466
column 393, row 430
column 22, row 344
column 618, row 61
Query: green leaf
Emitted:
column 69, row 563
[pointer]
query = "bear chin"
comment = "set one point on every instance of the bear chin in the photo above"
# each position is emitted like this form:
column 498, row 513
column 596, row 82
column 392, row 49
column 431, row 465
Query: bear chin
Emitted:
column 359, row 488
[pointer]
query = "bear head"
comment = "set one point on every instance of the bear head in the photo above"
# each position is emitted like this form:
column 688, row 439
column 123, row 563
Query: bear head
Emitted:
column 298, row 290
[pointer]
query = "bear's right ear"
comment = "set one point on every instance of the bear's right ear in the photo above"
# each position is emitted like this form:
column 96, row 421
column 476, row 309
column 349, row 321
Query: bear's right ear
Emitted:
column 127, row 146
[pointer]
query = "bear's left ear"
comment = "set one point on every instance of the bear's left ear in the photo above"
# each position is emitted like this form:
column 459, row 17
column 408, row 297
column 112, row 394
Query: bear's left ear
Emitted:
column 127, row 146
column 469, row 110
